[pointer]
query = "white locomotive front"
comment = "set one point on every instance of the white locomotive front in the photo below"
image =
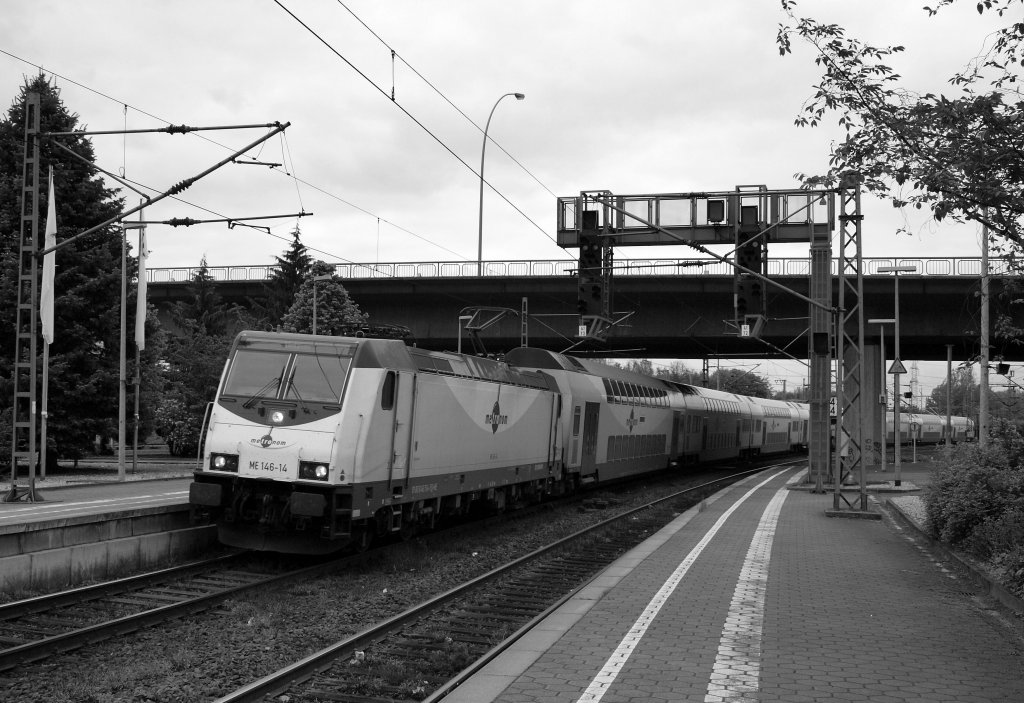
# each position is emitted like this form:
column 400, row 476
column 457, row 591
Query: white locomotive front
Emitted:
column 317, row 442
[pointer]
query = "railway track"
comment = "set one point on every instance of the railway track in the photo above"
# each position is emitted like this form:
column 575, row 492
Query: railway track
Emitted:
column 36, row 628
column 419, row 654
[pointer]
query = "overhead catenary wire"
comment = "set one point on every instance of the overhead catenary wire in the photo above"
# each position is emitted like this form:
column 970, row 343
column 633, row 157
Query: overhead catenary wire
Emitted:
column 440, row 94
column 334, row 196
column 412, row 117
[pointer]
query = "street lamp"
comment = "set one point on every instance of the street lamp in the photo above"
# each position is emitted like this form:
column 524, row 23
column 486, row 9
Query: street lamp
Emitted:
column 483, row 151
column 897, row 364
column 883, row 399
column 321, row 277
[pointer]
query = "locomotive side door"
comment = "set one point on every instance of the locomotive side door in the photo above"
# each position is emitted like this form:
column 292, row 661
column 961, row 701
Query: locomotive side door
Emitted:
column 591, row 414
column 401, row 443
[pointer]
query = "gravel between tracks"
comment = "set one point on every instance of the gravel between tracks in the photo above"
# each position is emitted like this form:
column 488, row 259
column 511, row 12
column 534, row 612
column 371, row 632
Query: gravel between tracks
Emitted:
column 210, row 655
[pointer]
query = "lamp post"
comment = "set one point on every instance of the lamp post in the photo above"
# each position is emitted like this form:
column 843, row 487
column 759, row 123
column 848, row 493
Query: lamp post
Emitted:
column 897, row 364
column 883, row 397
column 322, row 277
column 483, row 151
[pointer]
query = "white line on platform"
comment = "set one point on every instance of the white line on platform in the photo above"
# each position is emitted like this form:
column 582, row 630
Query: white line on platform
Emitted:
column 604, row 679
column 738, row 664
column 45, row 509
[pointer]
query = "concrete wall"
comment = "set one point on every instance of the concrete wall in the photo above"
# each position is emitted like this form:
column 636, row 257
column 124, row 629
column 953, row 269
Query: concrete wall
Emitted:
column 66, row 553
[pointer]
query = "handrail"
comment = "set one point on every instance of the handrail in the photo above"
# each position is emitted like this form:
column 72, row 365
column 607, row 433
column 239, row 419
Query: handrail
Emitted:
column 926, row 266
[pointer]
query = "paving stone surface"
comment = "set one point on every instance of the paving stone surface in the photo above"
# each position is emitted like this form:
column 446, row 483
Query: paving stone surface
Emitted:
column 851, row 610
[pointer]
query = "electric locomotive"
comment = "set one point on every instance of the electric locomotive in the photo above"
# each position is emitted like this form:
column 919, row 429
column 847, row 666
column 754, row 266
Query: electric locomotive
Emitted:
column 317, row 442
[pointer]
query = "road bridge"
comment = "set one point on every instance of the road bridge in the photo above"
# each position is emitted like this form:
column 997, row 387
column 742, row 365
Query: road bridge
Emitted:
column 680, row 307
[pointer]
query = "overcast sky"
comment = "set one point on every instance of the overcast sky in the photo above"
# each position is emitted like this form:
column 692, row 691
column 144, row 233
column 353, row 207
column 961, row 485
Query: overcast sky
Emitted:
column 644, row 96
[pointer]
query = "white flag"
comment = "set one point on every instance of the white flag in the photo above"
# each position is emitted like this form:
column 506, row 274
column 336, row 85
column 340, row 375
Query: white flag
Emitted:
column 50, row 240
column 140, row 295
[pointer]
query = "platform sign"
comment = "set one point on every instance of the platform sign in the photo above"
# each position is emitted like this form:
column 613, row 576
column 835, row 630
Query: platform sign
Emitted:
column 897, row 367
column 832, row 406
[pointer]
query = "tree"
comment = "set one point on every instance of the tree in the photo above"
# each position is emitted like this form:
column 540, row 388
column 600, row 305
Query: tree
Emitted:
column 84, row 355
column 960, row 156
column 740, row 383
column 798, row 394
column 335, row 310
column 677, row 371
column 204, row 306
column 640, row 366
column 194, row 361
column 292, row 269
column 964, row 394
column 1007, row 407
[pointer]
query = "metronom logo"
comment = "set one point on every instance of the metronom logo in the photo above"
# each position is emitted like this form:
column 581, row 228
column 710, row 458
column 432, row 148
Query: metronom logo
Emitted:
column 495, row 419
column 266, row 441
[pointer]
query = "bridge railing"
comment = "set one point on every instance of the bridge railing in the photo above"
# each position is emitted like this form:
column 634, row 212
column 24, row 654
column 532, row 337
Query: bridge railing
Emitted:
column 926, row 266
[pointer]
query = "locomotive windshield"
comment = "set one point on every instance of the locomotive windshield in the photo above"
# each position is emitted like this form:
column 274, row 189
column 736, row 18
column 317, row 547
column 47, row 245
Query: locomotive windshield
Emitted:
column 258, row 374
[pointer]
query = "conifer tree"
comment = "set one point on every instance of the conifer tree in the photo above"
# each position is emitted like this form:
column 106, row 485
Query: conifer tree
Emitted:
column 336, row 312
column 84, row 355
column 205, row 307
column 292, row 268
column 194, row 359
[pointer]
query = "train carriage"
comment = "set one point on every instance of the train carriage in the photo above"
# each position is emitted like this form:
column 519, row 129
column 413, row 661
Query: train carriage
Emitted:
column 778, row 431
column 926, row 428
column 619, row 423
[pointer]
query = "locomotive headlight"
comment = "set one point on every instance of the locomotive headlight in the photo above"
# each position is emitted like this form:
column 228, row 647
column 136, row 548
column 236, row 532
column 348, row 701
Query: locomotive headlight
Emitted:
column 224, row 462
column 277, row 417
column 313, row 470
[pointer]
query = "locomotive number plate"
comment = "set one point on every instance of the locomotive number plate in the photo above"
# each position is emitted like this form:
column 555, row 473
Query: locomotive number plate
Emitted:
column 268, row 466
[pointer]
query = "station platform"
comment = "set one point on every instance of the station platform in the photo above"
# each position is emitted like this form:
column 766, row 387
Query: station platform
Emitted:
column 757, row 595
column 89, row 525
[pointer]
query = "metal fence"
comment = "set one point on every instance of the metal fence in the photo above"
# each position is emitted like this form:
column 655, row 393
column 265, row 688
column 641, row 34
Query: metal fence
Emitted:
column 926, row 266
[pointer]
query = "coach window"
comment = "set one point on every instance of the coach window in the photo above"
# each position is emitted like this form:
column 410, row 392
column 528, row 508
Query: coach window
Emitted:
column 576, row 422
column 387, row 394
column 620, row 392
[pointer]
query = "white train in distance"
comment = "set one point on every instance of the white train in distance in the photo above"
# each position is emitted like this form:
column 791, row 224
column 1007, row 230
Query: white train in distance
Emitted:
column 316, row 443
column 924, row 428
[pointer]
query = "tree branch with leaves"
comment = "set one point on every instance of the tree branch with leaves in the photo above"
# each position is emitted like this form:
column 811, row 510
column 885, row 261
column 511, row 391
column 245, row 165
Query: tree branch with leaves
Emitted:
column 959, row 156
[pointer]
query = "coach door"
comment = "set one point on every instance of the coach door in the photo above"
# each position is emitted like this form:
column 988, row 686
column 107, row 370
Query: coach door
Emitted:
column 401, row 443
column 677, row 419
column 591, row 413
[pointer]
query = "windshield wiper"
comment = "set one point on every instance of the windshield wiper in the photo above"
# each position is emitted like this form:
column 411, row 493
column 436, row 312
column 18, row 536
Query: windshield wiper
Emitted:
column 260, row 393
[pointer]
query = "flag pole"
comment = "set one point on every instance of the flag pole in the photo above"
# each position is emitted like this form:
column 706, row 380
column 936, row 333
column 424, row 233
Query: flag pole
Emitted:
column 122, row 374
column 140, row 333
column 44, row 414
column 46, row 315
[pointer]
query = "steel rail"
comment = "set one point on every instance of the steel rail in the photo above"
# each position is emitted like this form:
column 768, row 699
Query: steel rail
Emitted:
column 37, row 649
column 83, row 594
column 281, row 680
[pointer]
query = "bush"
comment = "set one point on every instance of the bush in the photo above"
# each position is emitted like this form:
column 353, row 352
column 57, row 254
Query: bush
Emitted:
column 179, row 426
column 1009, row 568
column 976, row 502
